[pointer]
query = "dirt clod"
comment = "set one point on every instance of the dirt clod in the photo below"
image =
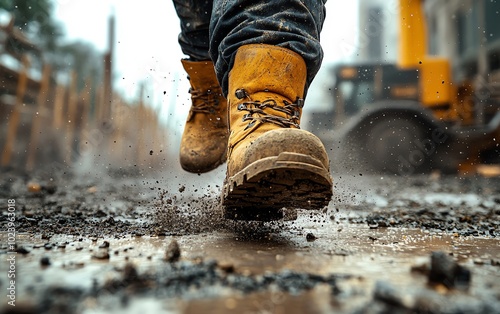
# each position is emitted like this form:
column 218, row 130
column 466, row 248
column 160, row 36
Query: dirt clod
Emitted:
column 102, row 254
column 104, row 245
column 34, row 187
column 22, row 250
column 444, row 270
column 173, row 252
column 45, row 261
column 310, row 237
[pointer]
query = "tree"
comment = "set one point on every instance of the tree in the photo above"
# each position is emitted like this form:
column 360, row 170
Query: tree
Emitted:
column 34, row 18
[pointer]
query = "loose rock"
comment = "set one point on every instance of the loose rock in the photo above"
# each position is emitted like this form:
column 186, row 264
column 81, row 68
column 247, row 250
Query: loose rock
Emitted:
column 444, row 270
column 173, row 252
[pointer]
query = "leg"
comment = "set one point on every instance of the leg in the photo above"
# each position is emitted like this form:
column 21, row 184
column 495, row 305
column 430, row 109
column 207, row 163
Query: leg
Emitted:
column 291, row 24
column 194, row 16
column 266, row 54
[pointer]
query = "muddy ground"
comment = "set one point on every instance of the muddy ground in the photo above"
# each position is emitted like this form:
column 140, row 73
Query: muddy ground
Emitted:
column 125, row 242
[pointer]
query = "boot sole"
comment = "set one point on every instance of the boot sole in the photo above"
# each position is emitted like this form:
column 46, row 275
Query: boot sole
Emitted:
column 271, row 187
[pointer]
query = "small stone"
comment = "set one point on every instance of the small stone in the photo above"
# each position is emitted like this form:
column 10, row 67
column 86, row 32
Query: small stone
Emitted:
column 444, row 270
column 387, row 293
column 22, row 250
column 50, row 189
column 92, row 189
column 421, row 268
column 45, row 261
column 101, row 254
column 130, row 273
column 34, row 187
column 104, row 245
column 227, row 267
column 383, row 224
column 310, row 237
column 173, row 252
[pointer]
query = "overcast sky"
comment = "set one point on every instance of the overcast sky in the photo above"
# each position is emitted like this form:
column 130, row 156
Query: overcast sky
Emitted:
column 146, row 47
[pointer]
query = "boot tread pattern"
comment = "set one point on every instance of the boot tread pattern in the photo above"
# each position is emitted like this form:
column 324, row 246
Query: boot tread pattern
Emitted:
column 266, row 187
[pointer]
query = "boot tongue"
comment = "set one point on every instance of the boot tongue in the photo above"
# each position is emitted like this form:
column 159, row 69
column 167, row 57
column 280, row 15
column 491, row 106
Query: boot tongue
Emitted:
column 205, row 93
column 201, row 74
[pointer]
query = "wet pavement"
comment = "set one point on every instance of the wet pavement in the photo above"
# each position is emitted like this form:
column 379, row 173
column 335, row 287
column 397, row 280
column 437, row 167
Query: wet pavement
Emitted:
column 127, row 244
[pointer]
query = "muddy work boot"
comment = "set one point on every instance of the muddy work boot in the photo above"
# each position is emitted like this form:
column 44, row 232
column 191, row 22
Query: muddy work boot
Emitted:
column 205, row 136
column 272, row 163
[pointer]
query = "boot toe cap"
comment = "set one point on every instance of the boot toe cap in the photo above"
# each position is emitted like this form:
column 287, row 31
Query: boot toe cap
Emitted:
column 278, row 141
column 203, row 158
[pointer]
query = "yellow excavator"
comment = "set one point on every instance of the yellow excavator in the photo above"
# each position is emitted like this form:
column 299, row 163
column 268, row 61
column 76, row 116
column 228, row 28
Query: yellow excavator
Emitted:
column 412, row 117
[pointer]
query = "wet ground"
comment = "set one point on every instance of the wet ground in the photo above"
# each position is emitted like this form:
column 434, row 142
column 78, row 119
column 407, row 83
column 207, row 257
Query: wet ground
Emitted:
column 116, row 243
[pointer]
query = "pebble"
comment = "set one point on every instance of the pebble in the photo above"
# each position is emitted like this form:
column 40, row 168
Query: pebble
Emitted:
column 173, row 252
column 310, row 237
column 34, row 187
column 101, row 254
column 45, row 261
column 227, row 267
column 444, row 270
column 104, row 245
column 22, row 250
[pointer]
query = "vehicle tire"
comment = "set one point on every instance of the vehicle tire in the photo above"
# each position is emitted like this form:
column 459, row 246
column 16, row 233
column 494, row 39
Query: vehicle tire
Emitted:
column 392, row 145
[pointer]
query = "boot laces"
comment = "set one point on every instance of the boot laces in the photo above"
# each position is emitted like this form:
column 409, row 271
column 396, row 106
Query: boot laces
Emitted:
column 204, row 101
column 256, row 112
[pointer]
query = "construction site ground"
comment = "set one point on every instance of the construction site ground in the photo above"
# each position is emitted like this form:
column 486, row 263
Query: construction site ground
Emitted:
column 126, row 242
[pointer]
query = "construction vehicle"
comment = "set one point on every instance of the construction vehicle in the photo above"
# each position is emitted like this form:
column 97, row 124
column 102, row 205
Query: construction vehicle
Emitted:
column 412, row 116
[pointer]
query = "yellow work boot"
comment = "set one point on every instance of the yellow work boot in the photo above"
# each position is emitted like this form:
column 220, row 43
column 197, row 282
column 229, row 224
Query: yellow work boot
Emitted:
column 272, row 163
column 205, row 136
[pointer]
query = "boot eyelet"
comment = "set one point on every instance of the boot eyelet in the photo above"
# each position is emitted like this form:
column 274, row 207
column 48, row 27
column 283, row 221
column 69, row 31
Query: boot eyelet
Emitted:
column 242, row 107
column 240, row 93
column 251, row 124
column 300, row 102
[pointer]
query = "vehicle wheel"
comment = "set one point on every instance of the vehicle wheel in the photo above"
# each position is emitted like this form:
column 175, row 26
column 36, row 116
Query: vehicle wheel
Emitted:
column 394, row 145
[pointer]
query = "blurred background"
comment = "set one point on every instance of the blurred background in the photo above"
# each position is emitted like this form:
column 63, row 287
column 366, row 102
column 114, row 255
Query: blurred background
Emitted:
column 99, row 84
column 114, row 92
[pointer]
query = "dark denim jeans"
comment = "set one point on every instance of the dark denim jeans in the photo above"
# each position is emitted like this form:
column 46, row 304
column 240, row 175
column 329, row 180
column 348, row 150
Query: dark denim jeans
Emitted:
column 215, row 29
